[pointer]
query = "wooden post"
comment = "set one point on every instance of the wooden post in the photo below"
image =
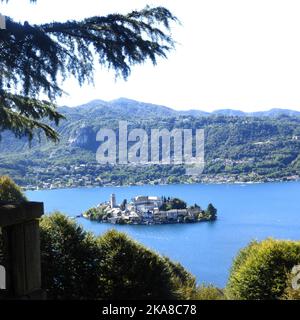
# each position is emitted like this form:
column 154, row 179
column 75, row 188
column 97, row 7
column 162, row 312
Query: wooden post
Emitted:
column 20, row 228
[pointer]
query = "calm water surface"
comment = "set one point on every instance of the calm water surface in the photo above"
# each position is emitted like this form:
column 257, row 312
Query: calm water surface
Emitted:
column 245, row 212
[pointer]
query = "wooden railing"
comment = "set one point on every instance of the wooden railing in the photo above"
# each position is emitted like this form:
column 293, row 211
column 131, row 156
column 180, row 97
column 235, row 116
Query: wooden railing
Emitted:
column 21, row 256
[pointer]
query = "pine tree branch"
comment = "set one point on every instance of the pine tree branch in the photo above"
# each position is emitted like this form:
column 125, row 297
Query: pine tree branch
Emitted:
column 34, row 57
column 24, row 116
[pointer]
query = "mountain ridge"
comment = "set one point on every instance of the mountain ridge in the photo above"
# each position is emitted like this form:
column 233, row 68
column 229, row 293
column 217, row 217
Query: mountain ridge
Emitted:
column 256, row 148
column 125, row 105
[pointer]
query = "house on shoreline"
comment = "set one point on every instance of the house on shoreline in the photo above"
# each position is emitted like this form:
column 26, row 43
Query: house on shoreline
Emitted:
column 146, row 210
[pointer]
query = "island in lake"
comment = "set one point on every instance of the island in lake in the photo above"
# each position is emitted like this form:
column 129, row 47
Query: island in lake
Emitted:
column 149, row 210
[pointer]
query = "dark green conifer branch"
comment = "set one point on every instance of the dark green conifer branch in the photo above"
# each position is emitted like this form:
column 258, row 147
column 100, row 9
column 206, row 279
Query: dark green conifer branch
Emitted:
column 34, row 58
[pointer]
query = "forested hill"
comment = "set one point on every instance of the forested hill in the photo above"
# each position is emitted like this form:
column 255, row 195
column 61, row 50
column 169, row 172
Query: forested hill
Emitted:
column 239, row 146
column 128, row 107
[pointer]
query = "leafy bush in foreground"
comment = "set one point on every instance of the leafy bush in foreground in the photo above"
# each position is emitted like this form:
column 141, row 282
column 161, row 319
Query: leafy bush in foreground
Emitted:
column 77, row 265
column 208, row 292
column 70, row 259
column 9, row 191
column 291, row 293
column 262, row 269
column 131, row 271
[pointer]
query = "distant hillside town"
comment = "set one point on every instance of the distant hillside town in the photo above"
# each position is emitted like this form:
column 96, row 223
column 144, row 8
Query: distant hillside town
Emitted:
column 149, row 210
column 246, row 148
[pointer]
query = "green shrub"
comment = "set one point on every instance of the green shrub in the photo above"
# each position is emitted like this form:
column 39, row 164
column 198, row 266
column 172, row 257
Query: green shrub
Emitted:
column 209, row 292
column 70, row 259
column 97, row 214
column 172, row 203
column 290, row 293
column 77, row 265
column 9, row 191
column 131, row 271
column 211, row 212
column 261, row 270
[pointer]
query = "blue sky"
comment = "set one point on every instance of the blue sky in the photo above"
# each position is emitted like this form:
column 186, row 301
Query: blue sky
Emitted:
column 239, row 54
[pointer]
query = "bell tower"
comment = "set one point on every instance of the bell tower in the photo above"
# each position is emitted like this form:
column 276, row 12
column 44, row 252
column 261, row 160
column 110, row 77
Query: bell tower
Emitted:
column 113, row 200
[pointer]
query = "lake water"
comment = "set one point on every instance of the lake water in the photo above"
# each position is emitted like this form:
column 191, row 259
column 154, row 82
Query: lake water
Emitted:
column 245, row 212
